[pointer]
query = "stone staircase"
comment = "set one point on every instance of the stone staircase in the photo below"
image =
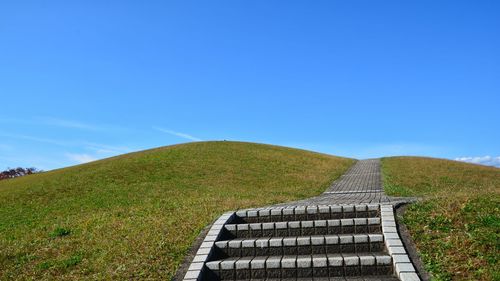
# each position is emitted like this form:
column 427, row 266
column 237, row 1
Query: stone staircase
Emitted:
column 337, row 242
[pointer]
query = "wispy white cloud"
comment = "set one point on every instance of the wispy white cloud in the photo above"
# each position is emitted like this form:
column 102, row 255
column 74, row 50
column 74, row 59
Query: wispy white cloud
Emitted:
column 483, row 160
column 36, row 139
column 107, row 149
column 178, row 134
column 62, row 123
column 96, row 147
column 80, row 158
column 69, row 124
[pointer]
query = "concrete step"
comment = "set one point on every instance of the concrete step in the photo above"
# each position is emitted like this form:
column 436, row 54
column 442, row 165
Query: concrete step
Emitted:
column 299, row 266
column 299, row 213
column 359, row 278
column 304, row 228
column 302, row 245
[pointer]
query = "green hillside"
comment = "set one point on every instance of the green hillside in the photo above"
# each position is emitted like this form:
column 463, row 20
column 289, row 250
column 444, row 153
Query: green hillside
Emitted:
column 135, row 216
column 457, row 226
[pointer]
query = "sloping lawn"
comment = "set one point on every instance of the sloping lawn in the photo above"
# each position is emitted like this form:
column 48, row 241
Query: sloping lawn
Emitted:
column 135, row 216
column 456, row 228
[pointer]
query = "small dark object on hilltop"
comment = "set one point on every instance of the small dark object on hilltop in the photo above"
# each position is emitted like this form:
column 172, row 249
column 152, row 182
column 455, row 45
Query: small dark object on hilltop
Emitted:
column 17, row 172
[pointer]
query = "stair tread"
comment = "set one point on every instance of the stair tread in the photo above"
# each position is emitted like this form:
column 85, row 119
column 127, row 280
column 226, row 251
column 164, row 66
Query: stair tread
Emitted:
column 304, row 223
column 358, row 278
column 293, row 261
column 311, row 239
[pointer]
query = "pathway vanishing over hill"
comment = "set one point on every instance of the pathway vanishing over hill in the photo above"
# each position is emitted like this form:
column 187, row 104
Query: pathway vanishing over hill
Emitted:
column 362, row 183
column 347, row 233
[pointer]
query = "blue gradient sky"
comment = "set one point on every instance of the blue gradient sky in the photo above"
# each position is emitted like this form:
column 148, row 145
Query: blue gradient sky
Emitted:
column 83, row 80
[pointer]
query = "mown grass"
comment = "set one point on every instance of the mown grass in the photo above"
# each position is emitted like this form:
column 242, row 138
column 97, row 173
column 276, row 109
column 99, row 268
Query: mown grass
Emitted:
column 456, row 228
column 135, row 216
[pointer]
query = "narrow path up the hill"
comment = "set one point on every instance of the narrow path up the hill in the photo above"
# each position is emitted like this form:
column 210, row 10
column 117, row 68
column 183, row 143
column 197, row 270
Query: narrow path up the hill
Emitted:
column 347, row 233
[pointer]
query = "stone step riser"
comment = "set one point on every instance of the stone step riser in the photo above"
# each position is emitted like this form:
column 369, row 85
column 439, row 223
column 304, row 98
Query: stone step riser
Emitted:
column 306, row 213
column 283, row 268
column 349, row 271
column 303, row 250
column 301, row 245
column 304, row 228
column 301, row 217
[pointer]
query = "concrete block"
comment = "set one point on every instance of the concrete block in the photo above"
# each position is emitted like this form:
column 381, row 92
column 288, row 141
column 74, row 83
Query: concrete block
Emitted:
column 192, row 274
column 389, row 229
column 350, row 259
column 404, row 267
column 276, row 212
column 243, row 263
column 249, row 243
column 331, row 239
column 303, row 261
column 375, row 237
column 264, row 213
column 401, row 258
column 287, row 211
column 234, row 244
column 347, row 222
column 252, row 213
column 348, row 208
column 360, row 208
column 394, row 242
column 206, row 244
column 203, row 251
column 346, row 239
column 228, row 264
column 300, row 210
column 200, row 258
column 258, row 263
column 336, row 209
column 195, row 266
column 387, row 223
column 303, row 241
column 383, row 259
column 396, row 250
column 317, row 240
column 335, row 260
column 273, row 262
column 288, row 261
column 312, row 210
column 262, row 242
column 367, row 260
column 392, row 235
column 319, row 261
column 405, row 276
column 255, row 226
column 307, row 224
column 360, row 221
column 360, row 238
column 289, row 241
column 213, row 265
column 324, row 209
column 275, row 242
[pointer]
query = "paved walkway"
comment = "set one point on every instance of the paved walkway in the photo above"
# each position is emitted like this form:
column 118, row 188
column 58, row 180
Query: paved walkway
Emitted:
column 362, row 183
column 347, row 233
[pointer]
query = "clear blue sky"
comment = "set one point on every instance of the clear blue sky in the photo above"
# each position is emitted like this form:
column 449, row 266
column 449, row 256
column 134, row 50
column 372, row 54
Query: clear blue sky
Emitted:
column 83, row 80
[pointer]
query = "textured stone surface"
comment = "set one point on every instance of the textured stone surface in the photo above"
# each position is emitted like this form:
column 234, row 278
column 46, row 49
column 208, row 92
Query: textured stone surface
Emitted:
column 347, row 233
column 362, row 183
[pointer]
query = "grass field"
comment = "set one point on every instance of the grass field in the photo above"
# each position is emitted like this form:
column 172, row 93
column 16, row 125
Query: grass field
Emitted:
column 136, row 215
column 456, row 227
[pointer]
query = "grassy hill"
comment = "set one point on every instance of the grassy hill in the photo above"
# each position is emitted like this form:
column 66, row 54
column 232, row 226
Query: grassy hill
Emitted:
column 456, row 227
column 135, row 216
